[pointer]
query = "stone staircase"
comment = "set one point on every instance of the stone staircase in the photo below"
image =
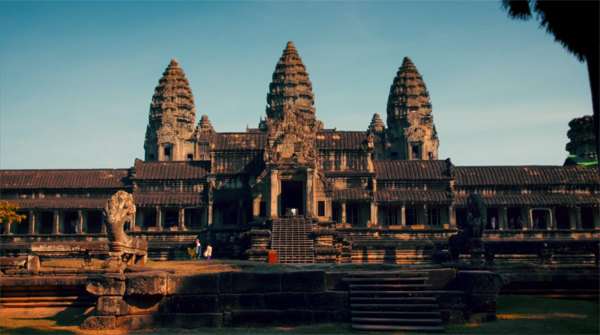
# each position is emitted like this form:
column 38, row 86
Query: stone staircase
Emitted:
column 393, row 301
column 292, row 241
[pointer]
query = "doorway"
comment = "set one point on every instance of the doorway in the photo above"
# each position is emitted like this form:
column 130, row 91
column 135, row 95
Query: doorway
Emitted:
column 292, row 196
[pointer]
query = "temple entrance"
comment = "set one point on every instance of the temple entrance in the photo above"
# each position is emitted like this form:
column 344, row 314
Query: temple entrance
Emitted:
column 292, row 196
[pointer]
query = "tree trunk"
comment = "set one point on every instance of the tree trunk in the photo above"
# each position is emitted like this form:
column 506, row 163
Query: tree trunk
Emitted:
column 592, row 60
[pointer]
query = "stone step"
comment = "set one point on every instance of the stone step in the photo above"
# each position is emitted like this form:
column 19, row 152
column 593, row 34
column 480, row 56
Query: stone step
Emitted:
column 390, row 286
column 412, row 315
column 397, row 321
column 399, row 328
column 394, row 299
column 386, row 279
column 354, row 293
column 388, row 306
column 388, row 274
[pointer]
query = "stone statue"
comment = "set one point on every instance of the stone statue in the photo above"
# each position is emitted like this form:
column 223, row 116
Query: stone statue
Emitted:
column 123, row 249
column 469, row 240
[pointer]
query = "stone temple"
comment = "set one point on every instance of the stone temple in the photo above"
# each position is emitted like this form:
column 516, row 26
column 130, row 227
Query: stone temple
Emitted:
column 292, row 185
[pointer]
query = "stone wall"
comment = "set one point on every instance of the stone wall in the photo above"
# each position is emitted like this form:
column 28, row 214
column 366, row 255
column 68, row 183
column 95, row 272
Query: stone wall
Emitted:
column 159, row 299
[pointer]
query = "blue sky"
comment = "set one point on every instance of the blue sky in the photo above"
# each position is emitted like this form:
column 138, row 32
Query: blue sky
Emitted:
column 77, row 78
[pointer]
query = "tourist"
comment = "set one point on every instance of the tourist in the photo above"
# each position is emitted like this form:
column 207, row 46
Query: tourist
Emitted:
column 536, row 222
column 198, row 249
column 519, row 223
column 493, row 222
column 511, row 223
column 208, row 252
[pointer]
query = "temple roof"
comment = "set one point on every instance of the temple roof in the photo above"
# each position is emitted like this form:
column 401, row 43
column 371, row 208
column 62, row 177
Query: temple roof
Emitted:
column 63, row 179
column 410, row 170
column 239, row 141
column 173, row 93
column 518, row 200
column 171, row 170
column 61, row 203
column 341, row 140
column 290, row 85
column 167, row 199
column 525, row 175
column 412, row 197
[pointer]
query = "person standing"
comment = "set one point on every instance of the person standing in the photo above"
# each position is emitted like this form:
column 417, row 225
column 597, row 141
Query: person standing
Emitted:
column 519, row 223
column 198, row 249
column 493, row 222
column 208, row 252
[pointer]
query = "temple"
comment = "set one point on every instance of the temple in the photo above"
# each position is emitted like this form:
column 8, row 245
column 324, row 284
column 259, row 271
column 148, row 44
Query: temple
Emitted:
column 295, row 186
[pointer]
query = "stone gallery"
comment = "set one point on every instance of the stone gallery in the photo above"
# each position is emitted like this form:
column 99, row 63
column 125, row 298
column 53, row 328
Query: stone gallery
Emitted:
column 305, row 191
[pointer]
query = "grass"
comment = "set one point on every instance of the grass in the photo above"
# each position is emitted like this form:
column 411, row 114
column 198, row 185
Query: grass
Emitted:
column 516, row 315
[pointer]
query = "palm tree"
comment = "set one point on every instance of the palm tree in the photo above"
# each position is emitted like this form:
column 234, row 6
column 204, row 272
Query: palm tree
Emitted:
column 575, row 25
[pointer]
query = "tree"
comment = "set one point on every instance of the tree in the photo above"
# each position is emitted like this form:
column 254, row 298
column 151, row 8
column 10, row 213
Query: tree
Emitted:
column 575, row 25
column 8, row 214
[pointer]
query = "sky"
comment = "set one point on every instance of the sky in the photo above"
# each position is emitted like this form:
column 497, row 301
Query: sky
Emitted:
column 77, row 78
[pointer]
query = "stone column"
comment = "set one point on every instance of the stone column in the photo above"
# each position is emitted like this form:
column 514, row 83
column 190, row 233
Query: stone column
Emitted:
column 328, row 209
column 158, row 219
column 452, row 217
column 132, row 223
column 503, row 218
column 55, row 221
column 240, row 212
column 274, row 194
column 103, row 231
column 31, row 222
column 374, row 214
column 79, row 222
column 343, row 212
column 403, row 216
column 181, row 221
column 209, row 214
column 424, row 215
column 310, row 193
column 255, row 208
column 527, row 219
column 553, row 221
column 578, row 217
column 572, row 218
column 597, row 218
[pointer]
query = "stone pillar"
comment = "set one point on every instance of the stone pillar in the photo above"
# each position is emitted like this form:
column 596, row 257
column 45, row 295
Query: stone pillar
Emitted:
column 79, row 222
column 255, row 208
column 132, row 223
column 209, row 214
column 452, row 217
column 6, row 228
column 31, row 222
column 55, row 222
column 328, row 209
column 503, row 218
column 572, row 218
column 181, row 221
column 553, row 221
column 274, row 194
column 578, row 217
column 158, row 219
column 597, row 218
column 424, row 215
column 527, row 219
column 374, row 214
column 103, row 231
column 403, row 216
column 343, row 212
column 310, row 193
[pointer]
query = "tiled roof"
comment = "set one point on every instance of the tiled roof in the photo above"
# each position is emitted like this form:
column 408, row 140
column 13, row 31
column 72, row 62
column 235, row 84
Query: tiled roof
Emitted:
column 61, row 203
column 410, row 170
column 340, row 140
column 59, row 179
column 167, row 199
column 239, row 141
column 526, row 175
column 411, row 197
column 171, row 170
column 519, row 200
column 352, row 194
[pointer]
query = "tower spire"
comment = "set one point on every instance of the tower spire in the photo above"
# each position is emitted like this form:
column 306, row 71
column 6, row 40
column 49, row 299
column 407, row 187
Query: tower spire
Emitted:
column 172, row 117
column 290, row 86
column 409, row 118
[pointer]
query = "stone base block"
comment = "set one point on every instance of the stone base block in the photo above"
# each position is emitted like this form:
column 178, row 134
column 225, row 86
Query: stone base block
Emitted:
column 328, row 300
column 194, row 320
column 140, row 321
column 303, row 281
column 295, row 316
column 481, row 317
column 255, row 318
column 452, row 300
column 99, row 323
column 484, row 303
column 450, row 316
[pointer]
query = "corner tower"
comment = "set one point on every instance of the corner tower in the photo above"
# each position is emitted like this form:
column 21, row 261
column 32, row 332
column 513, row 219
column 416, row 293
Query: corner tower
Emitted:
column 170, row 131
column 290, row 86
column 411, row 132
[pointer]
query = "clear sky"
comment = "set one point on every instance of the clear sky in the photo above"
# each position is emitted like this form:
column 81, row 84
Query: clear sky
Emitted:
column 77, row 78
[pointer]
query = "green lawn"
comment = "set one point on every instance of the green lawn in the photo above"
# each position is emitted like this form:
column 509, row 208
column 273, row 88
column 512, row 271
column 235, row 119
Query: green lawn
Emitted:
column 516, row 315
